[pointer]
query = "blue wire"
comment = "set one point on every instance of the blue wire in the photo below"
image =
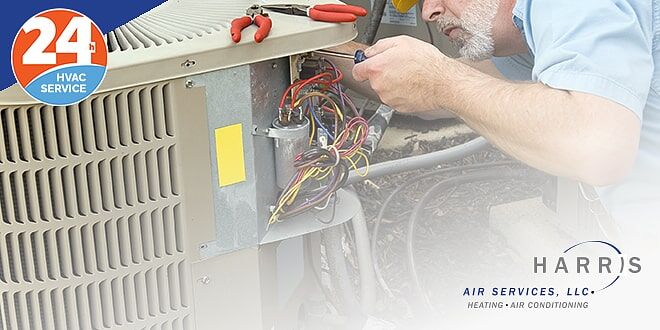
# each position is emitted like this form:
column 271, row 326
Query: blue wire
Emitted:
column 320, row 124
column 338, row 85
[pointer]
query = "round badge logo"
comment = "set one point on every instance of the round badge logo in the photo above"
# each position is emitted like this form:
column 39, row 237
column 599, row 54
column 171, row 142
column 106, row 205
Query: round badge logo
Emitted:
column 59, row 57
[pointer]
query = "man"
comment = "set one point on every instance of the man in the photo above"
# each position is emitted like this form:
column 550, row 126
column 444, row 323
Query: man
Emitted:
column 589, row 109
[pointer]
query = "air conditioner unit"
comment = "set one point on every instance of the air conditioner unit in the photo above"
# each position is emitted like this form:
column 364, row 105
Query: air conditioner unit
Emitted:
column 145, row 206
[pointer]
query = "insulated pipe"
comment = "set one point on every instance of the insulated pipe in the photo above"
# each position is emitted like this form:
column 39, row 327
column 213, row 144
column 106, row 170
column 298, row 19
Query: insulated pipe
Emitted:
column 376, row 16
column 348, row 303
column 337, row 263
column 363, row 251
column 421, row 161
column 488, row 174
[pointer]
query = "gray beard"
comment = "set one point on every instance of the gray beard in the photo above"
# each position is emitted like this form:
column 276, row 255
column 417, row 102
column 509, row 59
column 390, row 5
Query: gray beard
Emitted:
column 475, row 42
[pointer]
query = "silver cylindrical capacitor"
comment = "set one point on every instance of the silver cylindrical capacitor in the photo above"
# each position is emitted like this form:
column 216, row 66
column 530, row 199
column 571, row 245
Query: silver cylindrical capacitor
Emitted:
column 290, row 140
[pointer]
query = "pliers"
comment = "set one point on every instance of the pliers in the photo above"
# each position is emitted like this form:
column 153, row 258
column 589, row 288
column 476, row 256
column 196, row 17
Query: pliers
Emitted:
column 254, row 15
column 332, row 13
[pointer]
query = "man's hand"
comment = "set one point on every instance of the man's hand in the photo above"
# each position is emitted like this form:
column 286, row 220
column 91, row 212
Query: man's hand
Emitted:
column 405, row 73
column 571, row 134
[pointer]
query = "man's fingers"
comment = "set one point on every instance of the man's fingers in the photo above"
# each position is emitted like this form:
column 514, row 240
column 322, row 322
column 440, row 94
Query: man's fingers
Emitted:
column 381, row 46
column 360, row 71
column 371, row 66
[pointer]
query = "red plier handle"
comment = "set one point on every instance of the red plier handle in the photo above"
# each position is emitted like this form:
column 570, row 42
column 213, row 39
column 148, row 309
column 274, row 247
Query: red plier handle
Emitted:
column 332, row 13
column 238, row 25
column 257, row 18
column 335, row 13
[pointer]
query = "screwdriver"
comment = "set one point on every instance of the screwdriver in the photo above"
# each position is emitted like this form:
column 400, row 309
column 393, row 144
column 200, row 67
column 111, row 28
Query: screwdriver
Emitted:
column 357, row 57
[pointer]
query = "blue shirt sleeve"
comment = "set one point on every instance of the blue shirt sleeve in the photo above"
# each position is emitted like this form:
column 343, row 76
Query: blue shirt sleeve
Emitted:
column 600, row 47
column 515, row 67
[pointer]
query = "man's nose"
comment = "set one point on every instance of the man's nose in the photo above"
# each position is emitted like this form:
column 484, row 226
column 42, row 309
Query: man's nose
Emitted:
column 432, row 9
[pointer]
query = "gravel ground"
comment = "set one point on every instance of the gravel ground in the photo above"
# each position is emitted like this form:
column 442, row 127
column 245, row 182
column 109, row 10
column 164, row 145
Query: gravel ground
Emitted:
column 453, row 241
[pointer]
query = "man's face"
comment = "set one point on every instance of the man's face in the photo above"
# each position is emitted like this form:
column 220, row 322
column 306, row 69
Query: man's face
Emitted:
column 467, row 23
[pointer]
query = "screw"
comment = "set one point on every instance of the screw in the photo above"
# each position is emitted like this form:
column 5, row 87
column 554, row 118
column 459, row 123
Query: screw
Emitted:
column 205, row 280
column 190, row 83
column 188, row 63
column 274, row 66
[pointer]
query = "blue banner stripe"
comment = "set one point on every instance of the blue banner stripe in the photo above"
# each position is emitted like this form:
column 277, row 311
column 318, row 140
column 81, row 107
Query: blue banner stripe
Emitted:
column 108, row 15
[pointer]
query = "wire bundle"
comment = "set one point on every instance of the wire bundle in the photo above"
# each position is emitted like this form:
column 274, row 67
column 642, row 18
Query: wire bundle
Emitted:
column 335, row 141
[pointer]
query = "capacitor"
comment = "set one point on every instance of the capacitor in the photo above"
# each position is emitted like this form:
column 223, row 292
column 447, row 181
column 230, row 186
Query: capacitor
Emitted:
column 290, row 140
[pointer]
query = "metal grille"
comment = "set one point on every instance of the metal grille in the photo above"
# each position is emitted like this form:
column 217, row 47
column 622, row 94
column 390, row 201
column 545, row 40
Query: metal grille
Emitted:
column 91, row 223
column 175, row 21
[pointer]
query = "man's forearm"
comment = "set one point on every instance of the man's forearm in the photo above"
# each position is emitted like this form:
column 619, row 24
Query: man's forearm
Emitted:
column 564, row 133
column 486, row 66
column 346, row 65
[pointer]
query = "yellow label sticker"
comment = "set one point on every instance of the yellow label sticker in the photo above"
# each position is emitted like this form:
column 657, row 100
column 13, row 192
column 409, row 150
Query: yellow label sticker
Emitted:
column 229, row 154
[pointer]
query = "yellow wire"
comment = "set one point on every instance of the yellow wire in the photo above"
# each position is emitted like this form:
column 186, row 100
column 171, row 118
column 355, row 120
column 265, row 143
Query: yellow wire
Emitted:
column 311, row 117
column 308, row 173
column 283, row 200
column 323, row 96
column 341, row 115
column 366, row 164
column 354, row 165
column 357, row 134
column 311, row 135
column 316, row 172
column 326, row 172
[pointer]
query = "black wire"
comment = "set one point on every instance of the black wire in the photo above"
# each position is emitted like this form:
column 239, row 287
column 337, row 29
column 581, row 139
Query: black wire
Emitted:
column 381, row 212
column 337, row 179
column 334, row 211
column 478, row 176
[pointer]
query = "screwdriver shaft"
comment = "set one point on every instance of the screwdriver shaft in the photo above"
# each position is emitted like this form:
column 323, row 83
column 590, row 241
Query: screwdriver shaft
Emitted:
column 333, row 53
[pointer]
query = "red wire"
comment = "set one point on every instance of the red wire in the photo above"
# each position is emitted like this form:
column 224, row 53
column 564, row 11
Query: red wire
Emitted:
column 317, row 79
column 340, row 76
column 343, row 137
column 283, row 99
column 300, row 84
